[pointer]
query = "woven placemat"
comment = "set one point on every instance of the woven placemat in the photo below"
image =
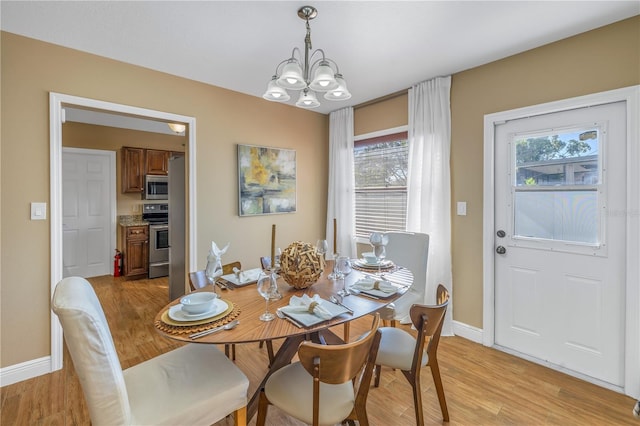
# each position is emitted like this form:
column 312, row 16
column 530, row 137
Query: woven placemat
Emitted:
column 170, row 326
column 391, row 268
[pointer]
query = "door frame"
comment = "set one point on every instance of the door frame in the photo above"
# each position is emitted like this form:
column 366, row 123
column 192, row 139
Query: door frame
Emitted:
column 111, row 155
column 630, row 95
column 57, row 102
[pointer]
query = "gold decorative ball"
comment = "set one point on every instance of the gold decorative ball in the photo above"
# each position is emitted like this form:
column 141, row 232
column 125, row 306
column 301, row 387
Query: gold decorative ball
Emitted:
column 300, row 265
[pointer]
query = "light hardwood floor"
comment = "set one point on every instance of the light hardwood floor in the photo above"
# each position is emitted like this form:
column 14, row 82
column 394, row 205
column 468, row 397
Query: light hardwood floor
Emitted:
column 483, row 386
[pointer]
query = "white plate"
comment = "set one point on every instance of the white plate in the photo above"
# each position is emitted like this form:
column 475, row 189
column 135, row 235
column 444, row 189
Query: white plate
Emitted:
column 177, row 314
column 364, row 264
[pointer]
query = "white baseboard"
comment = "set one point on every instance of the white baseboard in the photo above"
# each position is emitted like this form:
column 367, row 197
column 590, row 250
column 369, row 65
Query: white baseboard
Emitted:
column 25, row 370
column 467, row 331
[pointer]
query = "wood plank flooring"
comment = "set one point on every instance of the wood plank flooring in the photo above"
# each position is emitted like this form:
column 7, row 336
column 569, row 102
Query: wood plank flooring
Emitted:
column 483, row 386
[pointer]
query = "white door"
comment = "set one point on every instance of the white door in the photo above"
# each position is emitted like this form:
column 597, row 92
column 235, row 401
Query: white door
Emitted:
column 560, row 203
column 88, row 213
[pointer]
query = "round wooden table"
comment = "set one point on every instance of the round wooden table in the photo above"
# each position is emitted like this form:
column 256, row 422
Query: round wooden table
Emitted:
column 252, row 305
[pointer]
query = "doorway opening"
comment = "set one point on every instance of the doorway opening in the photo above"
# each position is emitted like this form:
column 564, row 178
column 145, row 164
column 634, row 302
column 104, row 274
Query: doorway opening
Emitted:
column 57, row 103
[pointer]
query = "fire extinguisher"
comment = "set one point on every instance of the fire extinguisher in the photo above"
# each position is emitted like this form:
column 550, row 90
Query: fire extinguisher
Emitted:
column 117, row 263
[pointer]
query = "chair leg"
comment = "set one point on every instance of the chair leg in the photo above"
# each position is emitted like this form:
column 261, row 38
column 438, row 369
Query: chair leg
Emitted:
column 263, row 406
column 233, row 352
column 346, row 332
column 376, row 382
column 417, row 399
column 226, row 350
column 240, row 417
column 437, row 381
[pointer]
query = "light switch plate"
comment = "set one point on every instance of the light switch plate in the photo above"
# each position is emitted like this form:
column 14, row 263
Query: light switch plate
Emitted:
column 462, row 208
column 38, row 211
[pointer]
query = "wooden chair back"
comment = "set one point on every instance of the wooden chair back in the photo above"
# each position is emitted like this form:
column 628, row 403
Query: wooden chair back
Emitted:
column 428, row 320
column 336, row 364
column 198, row 279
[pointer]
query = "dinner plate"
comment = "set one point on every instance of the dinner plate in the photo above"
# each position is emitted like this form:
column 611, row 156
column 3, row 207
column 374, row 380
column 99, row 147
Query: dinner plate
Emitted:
column 362, row 263
column 177, row 314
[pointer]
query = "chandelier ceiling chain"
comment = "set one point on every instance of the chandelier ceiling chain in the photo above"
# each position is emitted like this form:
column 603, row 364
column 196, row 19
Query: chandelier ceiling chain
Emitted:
column 293, row 74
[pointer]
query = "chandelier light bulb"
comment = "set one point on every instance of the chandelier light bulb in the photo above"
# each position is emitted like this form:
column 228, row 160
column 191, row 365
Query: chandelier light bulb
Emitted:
column 307, row 100
column 340, row 93
column 275, row 92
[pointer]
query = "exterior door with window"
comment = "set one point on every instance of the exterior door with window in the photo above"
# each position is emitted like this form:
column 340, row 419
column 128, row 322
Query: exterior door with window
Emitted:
column 560, row 194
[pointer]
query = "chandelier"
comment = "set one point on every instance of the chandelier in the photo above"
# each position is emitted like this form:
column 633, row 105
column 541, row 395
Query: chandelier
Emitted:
column 294, row 74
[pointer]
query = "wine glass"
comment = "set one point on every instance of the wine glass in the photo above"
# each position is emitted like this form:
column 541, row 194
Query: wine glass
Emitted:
column 335, row 274
column 380, row 253
column 321, row 248
column 266, row 289
column 343, row 268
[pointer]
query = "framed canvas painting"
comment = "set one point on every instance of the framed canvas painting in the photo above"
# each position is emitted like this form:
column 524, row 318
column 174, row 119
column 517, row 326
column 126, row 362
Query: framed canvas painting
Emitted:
column 266, row 180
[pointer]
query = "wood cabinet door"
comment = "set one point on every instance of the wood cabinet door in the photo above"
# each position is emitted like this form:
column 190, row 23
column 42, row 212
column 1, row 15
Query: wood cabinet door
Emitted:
column 158, row 162
column 132, row 169
column 137, row 255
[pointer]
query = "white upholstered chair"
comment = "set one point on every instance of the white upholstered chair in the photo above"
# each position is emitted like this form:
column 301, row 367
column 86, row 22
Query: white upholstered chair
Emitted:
column 400, row 350
column 195, row 384
column 320, row 389
column 411, row 250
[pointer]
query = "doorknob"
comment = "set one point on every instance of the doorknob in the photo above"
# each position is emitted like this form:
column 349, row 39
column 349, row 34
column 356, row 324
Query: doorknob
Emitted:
column 501, row 250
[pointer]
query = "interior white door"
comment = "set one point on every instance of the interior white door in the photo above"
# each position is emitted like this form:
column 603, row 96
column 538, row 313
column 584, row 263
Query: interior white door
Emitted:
column 87, row 212
column 560, row 241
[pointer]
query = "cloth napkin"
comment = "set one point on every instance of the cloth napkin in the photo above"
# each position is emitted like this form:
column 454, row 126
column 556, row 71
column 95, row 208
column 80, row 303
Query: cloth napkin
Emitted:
column 306, row 304
column 373, row 284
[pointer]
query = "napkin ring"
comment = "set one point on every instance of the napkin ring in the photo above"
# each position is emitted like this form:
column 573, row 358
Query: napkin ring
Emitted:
column 312, row 306
column 376, row 285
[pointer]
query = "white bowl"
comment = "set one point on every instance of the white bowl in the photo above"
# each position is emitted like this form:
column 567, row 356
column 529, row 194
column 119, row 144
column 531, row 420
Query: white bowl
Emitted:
column 370, row 258
column 198, row 303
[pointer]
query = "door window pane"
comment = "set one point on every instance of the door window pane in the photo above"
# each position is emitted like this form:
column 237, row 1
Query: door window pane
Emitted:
column 569, row 158
column 556, row 185
column 557, row 215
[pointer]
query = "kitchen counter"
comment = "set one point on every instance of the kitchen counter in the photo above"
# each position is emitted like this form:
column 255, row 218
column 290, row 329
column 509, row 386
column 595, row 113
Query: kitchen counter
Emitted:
column 131, row 220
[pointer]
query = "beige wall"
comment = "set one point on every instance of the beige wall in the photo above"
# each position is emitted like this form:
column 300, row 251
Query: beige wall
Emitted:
column 80, row 135
column 604, row 59
column 31, row 69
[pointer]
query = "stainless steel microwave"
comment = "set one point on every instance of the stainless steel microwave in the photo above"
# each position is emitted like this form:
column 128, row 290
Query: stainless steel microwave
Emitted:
column 156, row 187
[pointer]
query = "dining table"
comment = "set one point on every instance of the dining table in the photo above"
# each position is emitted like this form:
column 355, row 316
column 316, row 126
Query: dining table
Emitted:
column 246, row 305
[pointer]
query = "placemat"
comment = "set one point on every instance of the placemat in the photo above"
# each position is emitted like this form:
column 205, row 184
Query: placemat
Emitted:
column 391, row 268
column 170, row 326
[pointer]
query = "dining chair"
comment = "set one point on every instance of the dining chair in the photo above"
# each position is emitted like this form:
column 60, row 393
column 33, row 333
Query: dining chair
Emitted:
column 198, row 280
column 400, row 350
column 194, row 384
column 410, row 250
column 265, row 262
column 322, row 387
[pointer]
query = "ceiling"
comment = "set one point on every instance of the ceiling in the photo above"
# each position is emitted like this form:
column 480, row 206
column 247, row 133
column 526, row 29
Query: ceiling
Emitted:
column 381, row 47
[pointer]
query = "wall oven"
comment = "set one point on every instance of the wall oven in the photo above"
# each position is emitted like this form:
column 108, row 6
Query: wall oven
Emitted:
column 158, row 217
column 156, row 187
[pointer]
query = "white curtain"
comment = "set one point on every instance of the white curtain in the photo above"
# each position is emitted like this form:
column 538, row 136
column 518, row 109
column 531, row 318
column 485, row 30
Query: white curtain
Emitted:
column 340, row 202
column 429, row 181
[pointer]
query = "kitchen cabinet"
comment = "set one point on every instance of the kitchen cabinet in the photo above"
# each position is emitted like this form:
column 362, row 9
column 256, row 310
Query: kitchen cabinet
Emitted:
column 136, row 252
column 157, row 162
column 133, row 169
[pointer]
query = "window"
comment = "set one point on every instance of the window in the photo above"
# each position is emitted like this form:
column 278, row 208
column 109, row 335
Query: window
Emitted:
column 380, row 167
column 556, row 186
